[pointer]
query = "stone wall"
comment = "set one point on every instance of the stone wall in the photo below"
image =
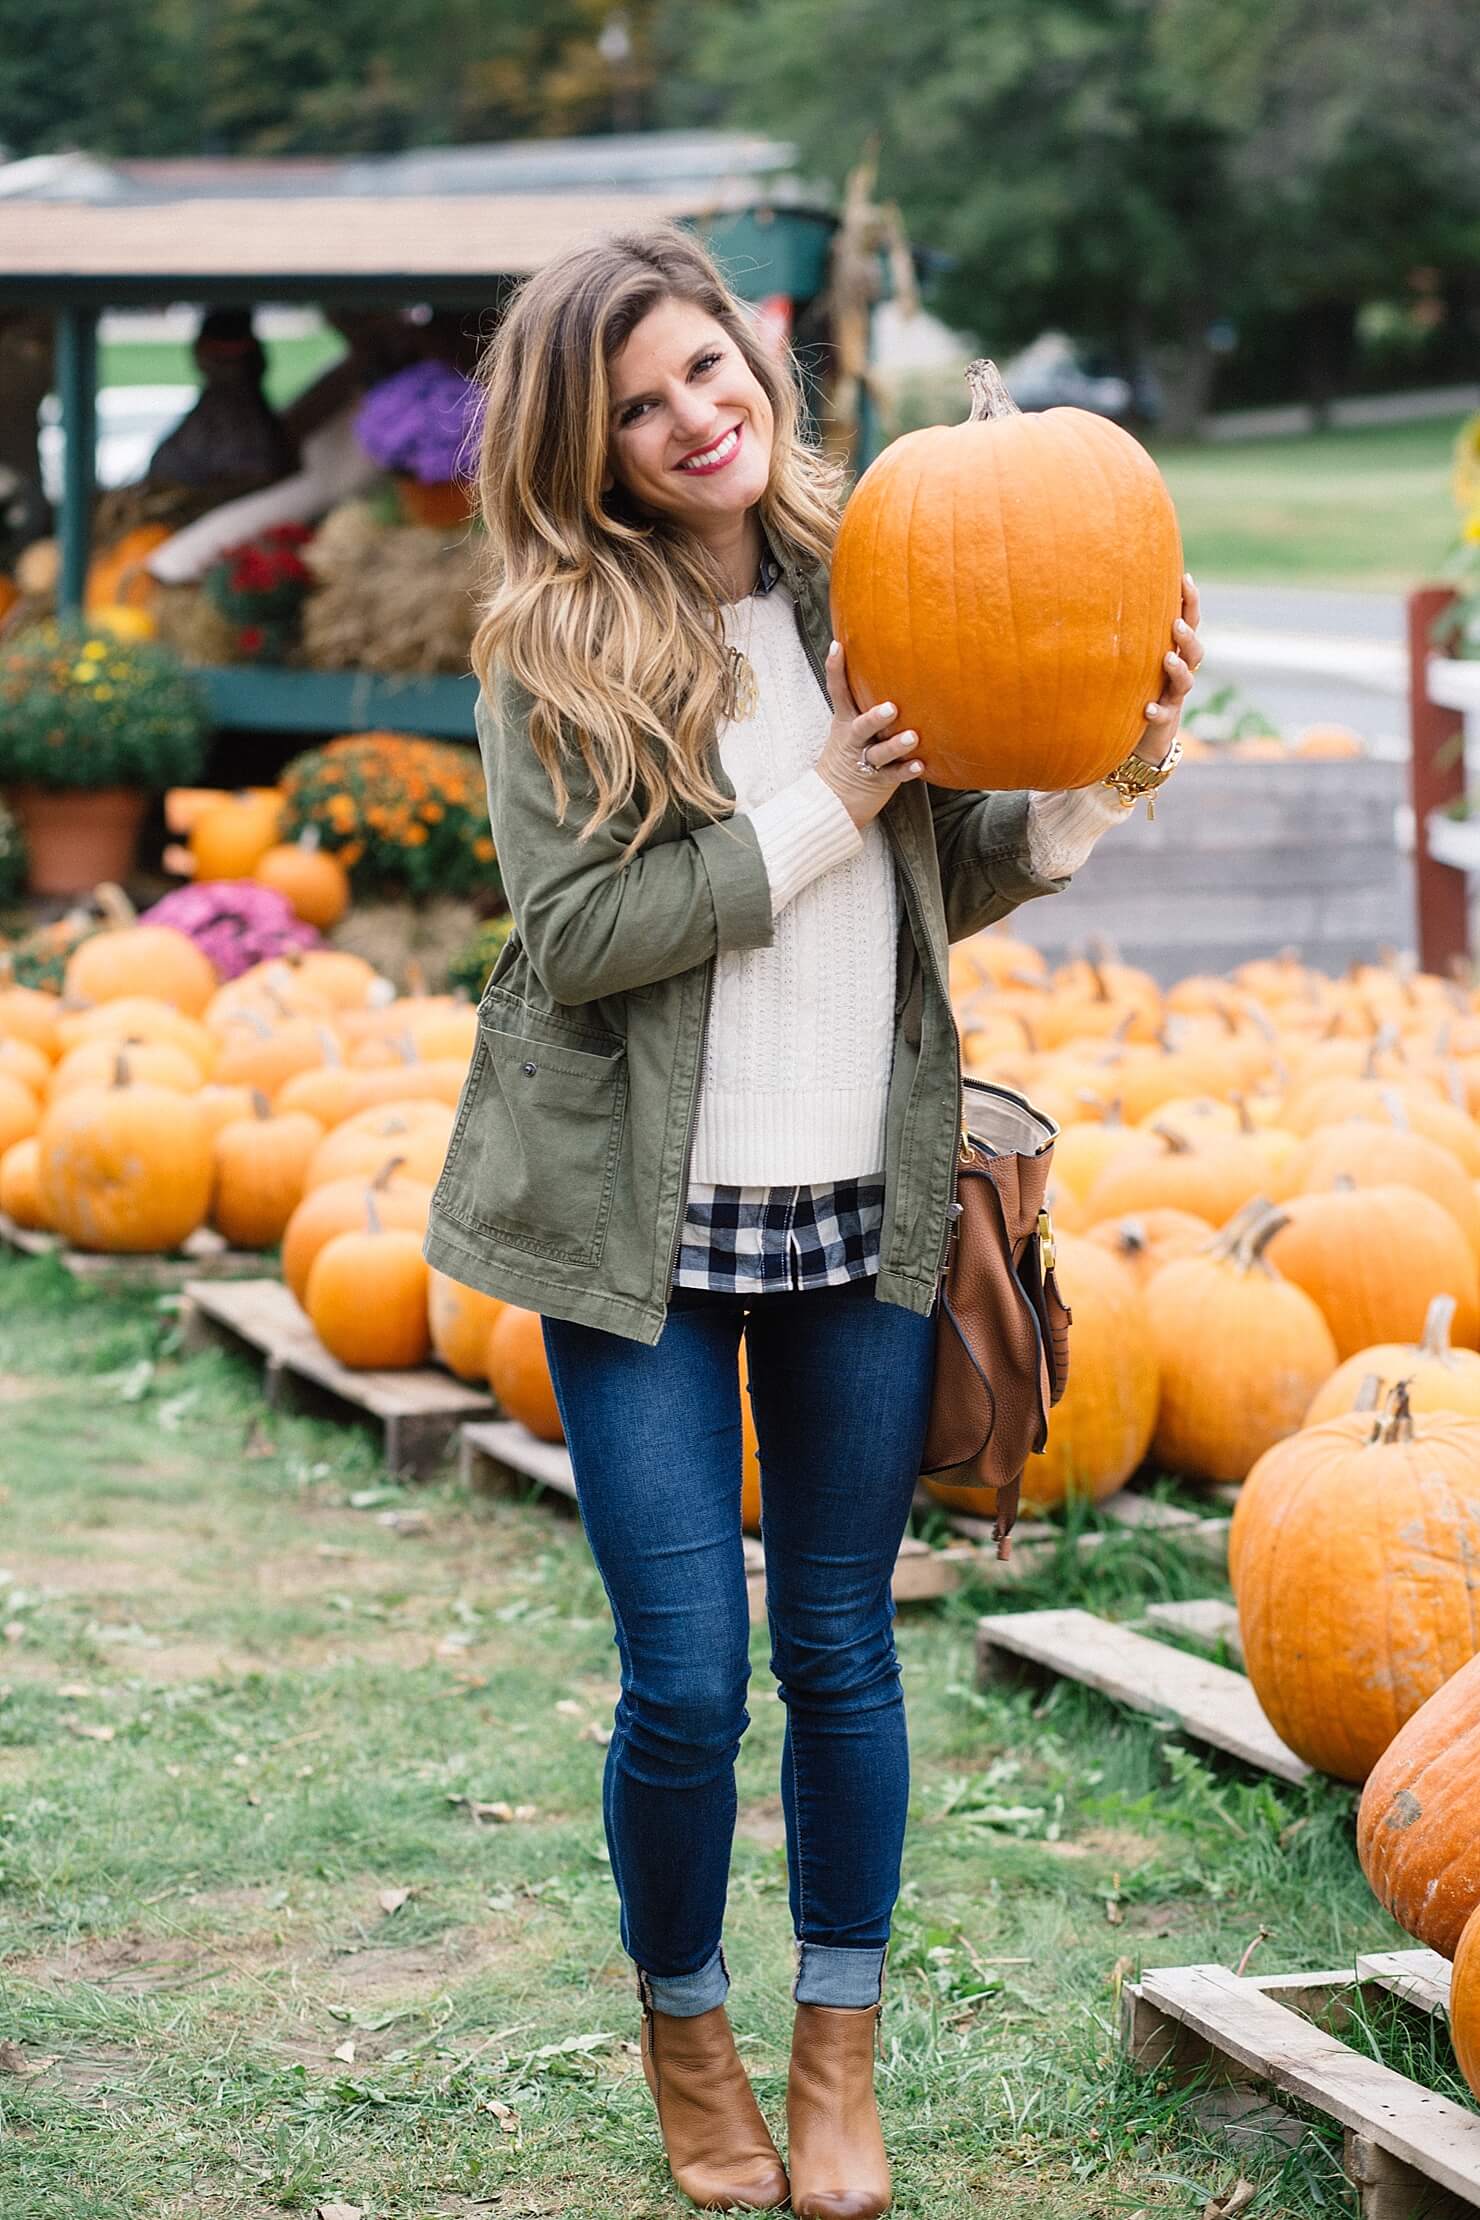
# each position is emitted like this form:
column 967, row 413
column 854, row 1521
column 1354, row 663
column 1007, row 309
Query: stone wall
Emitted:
column 1244, row 858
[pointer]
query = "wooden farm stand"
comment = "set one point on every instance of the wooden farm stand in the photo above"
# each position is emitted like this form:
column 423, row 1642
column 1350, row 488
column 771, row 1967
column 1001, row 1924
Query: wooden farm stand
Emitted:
column 418, row 1413
column 496, row 1452
column 1205, row 1700
column 203, row 1256
column 1409, row 2154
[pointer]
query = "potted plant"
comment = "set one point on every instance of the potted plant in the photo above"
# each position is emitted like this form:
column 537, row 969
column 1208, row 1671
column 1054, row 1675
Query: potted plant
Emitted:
column 91, row 726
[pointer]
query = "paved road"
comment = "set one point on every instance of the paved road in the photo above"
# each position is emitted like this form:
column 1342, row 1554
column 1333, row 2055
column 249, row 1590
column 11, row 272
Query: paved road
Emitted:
column 1359, row 616
column 1351, row 692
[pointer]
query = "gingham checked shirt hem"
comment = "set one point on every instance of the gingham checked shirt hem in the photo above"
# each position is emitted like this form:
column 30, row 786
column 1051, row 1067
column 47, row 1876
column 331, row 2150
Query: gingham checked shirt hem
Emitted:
column 774, row 1240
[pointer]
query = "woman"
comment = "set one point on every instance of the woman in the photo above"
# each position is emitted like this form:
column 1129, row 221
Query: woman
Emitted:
column 716, row 1092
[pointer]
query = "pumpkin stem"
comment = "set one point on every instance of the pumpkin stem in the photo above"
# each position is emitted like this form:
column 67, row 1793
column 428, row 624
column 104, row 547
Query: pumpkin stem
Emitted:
column 372, row 1215
column 1343, row 1184
column 1395, row 1422
column 122, row 1075
column 1369, row 1394
column 387, row 1173
column 1256, row 1240
column 1241, row 1106
column 261, row 1107
column 1030, row 1038
column 989, row 396
column 1177, row 1144
column 1454, row 1080
column 333, row 1053
column 1434, row 1340
column 405, row 1046
column 1396, row 1108
column 1131, row 1237
column 1226, row 1241
column 116, row 908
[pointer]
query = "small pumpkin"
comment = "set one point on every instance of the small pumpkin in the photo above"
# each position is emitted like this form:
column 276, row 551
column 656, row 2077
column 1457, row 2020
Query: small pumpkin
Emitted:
column 314, row 883
column 20, row 1112
column 125, row 1168
column 339, row 1207
column 1241, row 1351
column 367, row 1297
column 418, row 1132
column 1418, row 1828
column 260, row 1165
column 142, row 1017
column 116, row 574
column 461, row 1320
column 230, row 840
column 1440, row 1377
column 20, row 1060
column 1145, row 1240
column 519, row 1373
column 20, row 1184
column 256, row 1053
column 29, row 1014
column 1035, row 571
column 1354, row 1553
column 151, row 960
column 155, row 1063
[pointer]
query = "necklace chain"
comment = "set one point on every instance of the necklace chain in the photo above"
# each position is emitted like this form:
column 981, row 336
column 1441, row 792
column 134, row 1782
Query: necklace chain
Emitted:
column 744, row 689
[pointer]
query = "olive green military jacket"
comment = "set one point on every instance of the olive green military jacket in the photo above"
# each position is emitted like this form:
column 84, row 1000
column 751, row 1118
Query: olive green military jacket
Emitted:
column 566, row 1177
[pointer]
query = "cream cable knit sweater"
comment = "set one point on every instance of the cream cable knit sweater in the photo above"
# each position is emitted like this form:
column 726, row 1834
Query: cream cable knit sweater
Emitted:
column 799, row 1045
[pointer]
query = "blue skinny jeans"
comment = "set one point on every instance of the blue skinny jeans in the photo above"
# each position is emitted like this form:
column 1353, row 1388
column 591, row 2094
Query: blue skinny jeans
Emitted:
column 840, row 1388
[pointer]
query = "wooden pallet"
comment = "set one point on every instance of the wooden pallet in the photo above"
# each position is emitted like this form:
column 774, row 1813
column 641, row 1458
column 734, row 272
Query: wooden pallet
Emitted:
column 204, row 1255
column 1209, row 1702
column 1036, row 1541
column 418, row 1413
column 1409, row 2154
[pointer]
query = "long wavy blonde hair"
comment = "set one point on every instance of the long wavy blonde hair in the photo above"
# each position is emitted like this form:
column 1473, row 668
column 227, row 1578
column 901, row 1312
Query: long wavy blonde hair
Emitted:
column 608, row 614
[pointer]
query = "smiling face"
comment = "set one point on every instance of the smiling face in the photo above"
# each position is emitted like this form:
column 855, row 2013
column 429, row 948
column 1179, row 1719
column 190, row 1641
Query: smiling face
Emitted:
column 691, row 427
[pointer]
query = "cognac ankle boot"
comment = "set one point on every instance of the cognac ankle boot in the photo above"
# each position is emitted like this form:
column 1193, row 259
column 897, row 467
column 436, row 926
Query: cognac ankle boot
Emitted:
column 835, row 2153
column 719, row 2148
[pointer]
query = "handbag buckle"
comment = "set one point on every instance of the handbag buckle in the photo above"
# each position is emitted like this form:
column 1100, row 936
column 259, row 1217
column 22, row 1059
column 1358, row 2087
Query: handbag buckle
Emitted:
column 1047, row 1251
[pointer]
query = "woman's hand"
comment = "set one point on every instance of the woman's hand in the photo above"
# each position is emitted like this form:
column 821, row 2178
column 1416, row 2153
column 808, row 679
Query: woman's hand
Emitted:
column 863, row 768
column 1165, row 714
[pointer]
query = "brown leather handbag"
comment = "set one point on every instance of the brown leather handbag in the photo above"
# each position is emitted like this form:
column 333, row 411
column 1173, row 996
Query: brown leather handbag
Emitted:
column 1002, row 1326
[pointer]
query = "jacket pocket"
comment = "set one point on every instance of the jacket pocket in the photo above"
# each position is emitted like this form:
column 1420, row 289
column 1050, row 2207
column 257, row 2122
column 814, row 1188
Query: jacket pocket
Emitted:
column 533, row 1158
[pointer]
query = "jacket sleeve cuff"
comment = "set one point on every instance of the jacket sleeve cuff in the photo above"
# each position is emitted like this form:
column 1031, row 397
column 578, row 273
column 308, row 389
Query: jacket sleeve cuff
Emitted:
column 1063, row 827
column 802, row 831
column 738, row 885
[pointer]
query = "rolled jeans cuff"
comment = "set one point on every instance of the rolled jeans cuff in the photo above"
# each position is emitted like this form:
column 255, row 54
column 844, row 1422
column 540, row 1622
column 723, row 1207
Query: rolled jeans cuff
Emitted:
column 829, row 1975
column 684, row 1995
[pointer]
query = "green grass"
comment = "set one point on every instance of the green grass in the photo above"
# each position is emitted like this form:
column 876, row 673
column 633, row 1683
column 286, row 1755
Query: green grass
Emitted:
column 299, row 1698
column 1368, row 508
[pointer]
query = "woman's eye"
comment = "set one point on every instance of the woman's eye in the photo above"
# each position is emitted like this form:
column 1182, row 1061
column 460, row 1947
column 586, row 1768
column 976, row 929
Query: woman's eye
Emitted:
column 630, row 415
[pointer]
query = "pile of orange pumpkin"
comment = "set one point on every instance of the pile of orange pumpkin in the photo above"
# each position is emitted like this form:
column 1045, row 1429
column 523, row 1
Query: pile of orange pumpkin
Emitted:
column 225, row 835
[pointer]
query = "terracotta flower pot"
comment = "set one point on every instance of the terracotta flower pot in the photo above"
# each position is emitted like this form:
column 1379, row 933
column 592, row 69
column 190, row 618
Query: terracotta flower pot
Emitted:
column 446, row 501
column 77, row 837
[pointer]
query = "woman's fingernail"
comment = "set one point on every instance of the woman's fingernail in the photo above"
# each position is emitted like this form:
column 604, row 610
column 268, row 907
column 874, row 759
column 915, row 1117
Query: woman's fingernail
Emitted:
column 1154, row 709
column 887, row 709
column 916, row 767
column 832, row 647
column 1182, row 627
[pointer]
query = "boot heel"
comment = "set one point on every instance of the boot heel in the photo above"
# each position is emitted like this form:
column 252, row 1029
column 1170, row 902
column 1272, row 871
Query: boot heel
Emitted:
column 720, row 2151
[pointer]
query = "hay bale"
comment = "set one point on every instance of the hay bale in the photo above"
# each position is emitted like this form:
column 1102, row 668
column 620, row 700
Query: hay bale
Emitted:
column 390, row 597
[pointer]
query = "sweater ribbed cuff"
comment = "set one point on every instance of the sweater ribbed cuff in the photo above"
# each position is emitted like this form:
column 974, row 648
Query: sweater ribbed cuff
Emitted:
column 803, row 830
column 1064, row 826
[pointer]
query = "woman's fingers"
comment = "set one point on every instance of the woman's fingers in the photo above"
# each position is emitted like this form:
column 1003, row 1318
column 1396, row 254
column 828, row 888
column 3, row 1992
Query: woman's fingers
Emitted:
column 1191, row 601
column 837, row 682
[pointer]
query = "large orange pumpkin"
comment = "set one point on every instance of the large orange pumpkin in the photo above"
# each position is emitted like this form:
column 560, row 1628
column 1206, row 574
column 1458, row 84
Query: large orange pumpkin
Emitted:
column 151, row 960
column 1355, row 1557
column 461, row 1319
column 1418, row 1829
column 28, row 1014
column 1241, row 1352
column 339, row 1207
column 1464, row 2003
column 519, row 1372
column 1371, row 1257
column 1440, row 1378
column 367, row 1297
column 1010, row 583
column 20, row 1112
column 1377, row 1156
column 159, row 1063
column 125, row 1168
